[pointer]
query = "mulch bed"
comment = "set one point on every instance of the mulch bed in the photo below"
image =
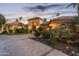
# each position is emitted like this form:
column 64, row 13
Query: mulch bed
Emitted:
column 70, row 50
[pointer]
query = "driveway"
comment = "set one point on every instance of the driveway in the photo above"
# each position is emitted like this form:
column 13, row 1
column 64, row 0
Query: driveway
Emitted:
column 21, row 45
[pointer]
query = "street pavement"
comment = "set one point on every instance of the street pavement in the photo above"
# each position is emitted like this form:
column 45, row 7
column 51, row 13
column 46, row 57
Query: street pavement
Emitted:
column 22, row 45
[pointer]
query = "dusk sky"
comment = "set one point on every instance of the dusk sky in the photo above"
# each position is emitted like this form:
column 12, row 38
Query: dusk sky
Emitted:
column 28, row 10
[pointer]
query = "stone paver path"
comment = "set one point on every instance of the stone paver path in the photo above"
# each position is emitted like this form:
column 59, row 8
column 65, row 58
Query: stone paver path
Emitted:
column 21, row 45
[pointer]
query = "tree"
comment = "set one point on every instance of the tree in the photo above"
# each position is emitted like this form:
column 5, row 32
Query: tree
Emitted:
column 20, row 18
column 76, row 19
column 45, row 20
column 2, row 22
column 75, row 24
column 2, row 19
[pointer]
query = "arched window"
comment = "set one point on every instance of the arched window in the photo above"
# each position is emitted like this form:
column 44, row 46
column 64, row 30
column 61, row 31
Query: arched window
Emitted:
column 62, row 26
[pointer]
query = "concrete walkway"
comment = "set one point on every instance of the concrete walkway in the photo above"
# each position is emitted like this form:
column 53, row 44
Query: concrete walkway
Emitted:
column 21, row 45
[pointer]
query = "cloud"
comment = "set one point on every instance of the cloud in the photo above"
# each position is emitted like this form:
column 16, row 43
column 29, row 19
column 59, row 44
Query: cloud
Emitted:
column 49, row 9
column 41, row 7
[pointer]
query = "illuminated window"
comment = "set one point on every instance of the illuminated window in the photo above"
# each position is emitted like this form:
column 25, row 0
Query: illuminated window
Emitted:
column 53, row 25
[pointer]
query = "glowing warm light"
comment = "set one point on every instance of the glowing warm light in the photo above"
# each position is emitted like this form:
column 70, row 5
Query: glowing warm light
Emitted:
column 50, row 24
column 34, row 23
column 47, row 29
column 29, row 27
column 37, row 26
column 53, row 25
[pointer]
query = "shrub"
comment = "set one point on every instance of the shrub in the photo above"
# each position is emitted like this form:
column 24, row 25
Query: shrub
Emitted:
column 20, row 30
column 26, row 30
column 30, row 31
column 40, row 28
column 67, row 34
column 4, row 32
column 52, row 41
column 37, row 33
column 45, row 35
column 10, row 31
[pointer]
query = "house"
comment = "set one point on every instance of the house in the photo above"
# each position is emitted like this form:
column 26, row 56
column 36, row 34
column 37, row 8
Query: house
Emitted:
column 34, row 23
column 12, row 26
column 45, row 26
column 64, row 21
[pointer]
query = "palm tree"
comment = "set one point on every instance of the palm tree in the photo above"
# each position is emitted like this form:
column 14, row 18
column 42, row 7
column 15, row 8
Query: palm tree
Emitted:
column 45, row 20
column 20, row 18
column 74, row 5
